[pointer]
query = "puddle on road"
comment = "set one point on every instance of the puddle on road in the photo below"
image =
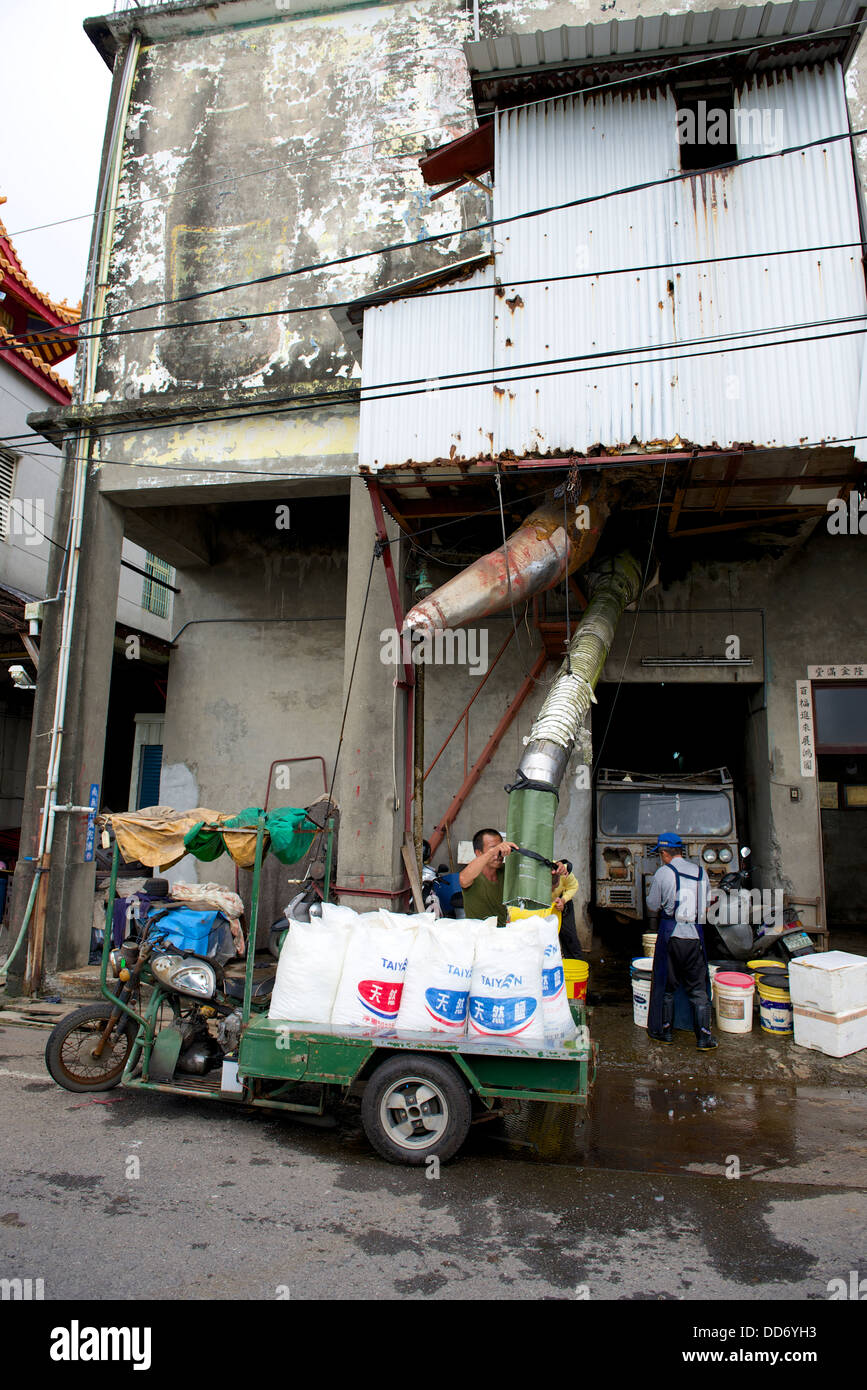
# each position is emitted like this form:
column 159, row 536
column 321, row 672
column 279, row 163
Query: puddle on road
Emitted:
column 657, row 1125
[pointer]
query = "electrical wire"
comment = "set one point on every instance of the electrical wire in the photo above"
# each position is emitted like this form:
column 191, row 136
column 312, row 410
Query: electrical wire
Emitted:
column 431, row 237
column 733, row 343
column 39, row 337
column 633, row 80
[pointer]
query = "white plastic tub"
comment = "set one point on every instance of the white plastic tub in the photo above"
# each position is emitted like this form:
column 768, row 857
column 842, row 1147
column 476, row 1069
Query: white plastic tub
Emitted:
column 837, row 1035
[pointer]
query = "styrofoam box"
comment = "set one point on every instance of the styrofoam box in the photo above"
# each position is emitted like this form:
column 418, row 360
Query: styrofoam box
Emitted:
column 837, row 1035
column 834, row 982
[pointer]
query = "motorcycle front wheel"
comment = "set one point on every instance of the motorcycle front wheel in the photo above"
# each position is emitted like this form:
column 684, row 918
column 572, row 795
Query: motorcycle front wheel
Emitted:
column 69, row 1052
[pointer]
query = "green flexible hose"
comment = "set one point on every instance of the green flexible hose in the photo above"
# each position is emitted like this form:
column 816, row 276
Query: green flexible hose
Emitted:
column 24, row 925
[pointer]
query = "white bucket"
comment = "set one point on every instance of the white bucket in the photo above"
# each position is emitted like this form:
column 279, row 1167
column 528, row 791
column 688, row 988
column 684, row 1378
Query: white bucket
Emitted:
column 734, row 1007
column 648, row 943
column 640, row 975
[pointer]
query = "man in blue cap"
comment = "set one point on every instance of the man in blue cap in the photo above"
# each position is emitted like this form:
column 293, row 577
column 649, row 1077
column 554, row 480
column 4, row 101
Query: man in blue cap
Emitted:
column 676, row 907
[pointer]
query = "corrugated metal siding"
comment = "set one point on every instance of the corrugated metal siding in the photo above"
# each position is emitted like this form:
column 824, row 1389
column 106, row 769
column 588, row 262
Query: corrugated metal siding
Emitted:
column 421, row 341
column 771, row 396
column 570, row 148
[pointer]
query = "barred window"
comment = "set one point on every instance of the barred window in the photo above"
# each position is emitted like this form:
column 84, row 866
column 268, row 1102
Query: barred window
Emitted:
column 155, row 597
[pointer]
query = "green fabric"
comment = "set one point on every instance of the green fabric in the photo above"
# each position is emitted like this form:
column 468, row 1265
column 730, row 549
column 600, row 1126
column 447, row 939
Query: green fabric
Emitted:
column 204, row 844
column 484, row 898
column 283, row 826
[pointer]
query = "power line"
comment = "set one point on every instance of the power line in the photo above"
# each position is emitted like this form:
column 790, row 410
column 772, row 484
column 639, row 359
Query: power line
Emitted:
column 732, row 344
column 636, row 78
column 431, row 237
column 41, row 337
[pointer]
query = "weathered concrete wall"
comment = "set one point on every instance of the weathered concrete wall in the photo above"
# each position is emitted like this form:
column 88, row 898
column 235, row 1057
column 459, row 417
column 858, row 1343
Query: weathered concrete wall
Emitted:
column 258, row 673
column 304, row 98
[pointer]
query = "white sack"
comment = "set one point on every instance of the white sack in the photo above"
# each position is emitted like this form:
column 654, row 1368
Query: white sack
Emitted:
column 555, row 1004
column 371, row 982
column 506, row 988
column 308, row 971
column 333, row 912
column 407, row 919
column 437, row 985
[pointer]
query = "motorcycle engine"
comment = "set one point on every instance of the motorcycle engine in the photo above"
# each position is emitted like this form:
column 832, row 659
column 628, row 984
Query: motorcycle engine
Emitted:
column 200, row 1052
column 229, row 1032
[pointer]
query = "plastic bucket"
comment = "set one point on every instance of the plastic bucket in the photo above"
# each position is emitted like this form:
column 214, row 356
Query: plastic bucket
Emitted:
column 775, row 1011
column 641, row 973
column 576, row 973
column 733, row 1001
column 648, row 944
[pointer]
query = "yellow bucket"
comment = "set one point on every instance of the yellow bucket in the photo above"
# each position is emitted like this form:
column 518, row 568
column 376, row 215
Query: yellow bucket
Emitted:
column 577, row 973
column 775, row 1010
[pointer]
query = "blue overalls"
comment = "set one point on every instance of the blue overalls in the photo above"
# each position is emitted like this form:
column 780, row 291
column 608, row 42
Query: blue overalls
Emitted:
column 662, row 990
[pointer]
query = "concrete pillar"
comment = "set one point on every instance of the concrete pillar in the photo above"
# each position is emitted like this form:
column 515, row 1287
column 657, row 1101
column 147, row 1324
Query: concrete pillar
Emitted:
column 69, row 913
column 370, row 779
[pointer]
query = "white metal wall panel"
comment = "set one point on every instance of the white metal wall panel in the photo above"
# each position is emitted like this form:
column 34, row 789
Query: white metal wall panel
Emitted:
column 650, row 367
column 423, row 342
column 772, row 396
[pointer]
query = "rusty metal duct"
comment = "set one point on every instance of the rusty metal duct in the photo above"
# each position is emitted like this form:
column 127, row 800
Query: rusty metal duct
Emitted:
column 535, row 557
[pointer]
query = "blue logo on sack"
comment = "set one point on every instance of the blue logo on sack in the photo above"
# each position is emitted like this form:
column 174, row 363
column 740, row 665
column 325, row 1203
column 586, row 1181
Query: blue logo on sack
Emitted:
column 447, row 1006
column 502, row 1017
column 553, row 981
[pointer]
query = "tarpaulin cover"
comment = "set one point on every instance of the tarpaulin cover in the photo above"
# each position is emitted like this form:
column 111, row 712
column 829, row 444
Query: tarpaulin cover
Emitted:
column 238, row 836
column 155, row 834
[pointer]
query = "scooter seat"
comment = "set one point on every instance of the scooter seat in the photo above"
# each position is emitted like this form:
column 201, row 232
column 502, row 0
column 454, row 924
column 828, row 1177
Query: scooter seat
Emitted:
column 233, row 986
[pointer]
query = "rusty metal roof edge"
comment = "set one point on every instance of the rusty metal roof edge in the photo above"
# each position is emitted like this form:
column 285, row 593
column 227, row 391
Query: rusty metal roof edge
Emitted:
column 482, row 60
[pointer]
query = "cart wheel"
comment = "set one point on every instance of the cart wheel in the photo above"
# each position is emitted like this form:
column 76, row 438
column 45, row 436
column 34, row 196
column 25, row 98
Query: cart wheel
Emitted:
column 69, row 1050
column 415, row 1108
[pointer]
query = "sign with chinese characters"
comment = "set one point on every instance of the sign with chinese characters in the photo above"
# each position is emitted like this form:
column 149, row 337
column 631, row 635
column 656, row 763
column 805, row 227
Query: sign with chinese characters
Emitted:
column 805, row 728
column 843, row 671
column 90, row 837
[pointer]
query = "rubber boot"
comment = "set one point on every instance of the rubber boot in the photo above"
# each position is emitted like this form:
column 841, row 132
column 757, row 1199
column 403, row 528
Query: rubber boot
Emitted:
column 705, row 1040
column 667, row 1034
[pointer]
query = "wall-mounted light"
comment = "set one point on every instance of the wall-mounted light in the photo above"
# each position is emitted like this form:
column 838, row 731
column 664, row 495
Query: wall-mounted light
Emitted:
column 21, row 678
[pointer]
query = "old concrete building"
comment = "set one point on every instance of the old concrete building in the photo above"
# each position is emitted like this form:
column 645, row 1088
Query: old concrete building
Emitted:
column 266, row 235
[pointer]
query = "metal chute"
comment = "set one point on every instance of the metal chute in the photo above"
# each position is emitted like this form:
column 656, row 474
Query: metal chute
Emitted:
column 533, row 796
column 552, row 543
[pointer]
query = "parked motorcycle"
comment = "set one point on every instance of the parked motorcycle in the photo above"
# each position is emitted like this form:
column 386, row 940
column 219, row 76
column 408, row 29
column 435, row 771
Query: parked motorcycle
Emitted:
column 741, row 940
column 88, row 1050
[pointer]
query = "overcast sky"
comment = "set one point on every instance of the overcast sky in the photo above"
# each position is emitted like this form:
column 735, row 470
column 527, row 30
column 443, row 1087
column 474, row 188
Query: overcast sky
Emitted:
column 53, row 103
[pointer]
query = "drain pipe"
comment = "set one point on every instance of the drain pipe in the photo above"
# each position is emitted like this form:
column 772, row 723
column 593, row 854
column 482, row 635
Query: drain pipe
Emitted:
column 533, row 795
column 94, row 313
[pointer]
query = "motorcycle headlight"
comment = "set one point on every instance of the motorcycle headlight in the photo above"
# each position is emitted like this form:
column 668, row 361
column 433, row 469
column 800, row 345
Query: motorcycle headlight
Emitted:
column 709, row 854
column 114, row 959
column 725, row 855
column 198, row 979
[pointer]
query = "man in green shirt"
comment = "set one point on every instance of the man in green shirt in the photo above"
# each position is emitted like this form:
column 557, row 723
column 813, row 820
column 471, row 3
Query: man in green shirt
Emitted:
column 482, row 879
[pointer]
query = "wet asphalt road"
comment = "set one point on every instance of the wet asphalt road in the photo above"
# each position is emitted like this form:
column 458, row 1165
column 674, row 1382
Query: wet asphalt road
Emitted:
column 632, row 1202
